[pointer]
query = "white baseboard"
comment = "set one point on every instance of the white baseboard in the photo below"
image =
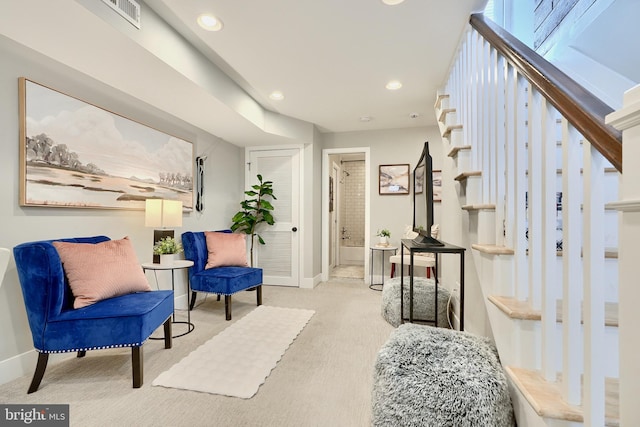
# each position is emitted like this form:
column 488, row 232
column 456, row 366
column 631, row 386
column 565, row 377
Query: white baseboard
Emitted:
column 181, row 302
column 25, row 364
column 310, row 283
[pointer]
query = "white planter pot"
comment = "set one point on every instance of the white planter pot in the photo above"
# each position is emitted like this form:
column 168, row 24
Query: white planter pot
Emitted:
column 167, row 259
column 384, row 240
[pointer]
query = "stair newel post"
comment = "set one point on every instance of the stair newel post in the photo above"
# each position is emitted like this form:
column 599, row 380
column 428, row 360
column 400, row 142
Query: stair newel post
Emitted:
column 627, row 120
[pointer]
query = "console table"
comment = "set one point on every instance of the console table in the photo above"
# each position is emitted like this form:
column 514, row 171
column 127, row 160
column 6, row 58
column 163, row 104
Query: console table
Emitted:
column 414, row 248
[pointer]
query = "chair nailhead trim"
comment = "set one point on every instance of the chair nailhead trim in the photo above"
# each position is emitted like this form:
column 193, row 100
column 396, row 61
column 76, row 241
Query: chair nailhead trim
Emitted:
column 91, row 348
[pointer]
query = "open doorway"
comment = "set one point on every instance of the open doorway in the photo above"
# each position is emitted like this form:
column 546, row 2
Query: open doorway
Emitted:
column 345, row 227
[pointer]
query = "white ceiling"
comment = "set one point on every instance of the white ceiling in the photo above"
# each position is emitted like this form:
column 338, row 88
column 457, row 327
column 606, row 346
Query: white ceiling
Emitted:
column 331, row 58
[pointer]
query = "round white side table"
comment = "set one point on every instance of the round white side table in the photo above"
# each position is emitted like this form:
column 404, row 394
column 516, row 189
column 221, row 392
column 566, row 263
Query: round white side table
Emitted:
column 178, row 264
column 382, row 250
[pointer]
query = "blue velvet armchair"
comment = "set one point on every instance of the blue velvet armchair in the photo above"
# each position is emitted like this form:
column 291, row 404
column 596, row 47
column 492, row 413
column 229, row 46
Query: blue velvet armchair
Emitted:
column 56, row 327
column 218, row 280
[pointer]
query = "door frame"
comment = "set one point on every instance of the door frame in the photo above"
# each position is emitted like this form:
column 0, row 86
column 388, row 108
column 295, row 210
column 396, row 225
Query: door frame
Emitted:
column 326, row 167
column 301, row 229
column 334, row 226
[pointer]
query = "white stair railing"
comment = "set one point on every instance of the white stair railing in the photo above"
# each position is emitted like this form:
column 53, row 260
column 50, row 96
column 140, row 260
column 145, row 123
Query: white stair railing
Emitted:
column 527, row 157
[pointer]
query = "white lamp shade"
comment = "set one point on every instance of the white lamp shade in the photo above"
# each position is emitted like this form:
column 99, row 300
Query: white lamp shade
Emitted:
column 163, row 213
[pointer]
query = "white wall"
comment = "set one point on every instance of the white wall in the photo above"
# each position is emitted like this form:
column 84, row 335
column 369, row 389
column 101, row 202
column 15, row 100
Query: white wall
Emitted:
column 223, row 189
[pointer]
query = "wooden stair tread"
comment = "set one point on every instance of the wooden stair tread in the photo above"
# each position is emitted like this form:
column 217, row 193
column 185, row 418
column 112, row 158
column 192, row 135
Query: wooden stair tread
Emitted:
column 464, row 175
column 479, row 207
column 444, row 112
column 609, row 253
column 448, row 130
column 455, row 150
column 559, row 171
column 492, row 249
column 517, row 309
column 439, row 99
column 546, row 398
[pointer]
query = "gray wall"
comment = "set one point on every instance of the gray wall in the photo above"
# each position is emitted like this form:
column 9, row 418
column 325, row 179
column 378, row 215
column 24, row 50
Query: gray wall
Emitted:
column 223, row 189
column 393, row 212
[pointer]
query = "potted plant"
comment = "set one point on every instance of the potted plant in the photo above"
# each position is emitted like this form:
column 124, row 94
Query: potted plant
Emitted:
column 384, row 235
column 255, row 211
column 167, row 248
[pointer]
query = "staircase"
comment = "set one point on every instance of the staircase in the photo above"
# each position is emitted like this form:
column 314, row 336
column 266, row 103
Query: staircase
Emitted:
column 537, row 173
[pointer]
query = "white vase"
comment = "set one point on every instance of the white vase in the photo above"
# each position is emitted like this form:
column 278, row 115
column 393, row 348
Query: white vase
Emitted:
column 167, row 259
column 384, row 240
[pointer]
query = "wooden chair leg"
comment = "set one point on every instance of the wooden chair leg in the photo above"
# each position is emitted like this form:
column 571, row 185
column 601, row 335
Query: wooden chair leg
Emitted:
column 168, row 339
column 259, row 295
column 393, row 271
column 193, row 300
column 227, row 306
column 428, row 272
column 41, row 366
column 136, row 363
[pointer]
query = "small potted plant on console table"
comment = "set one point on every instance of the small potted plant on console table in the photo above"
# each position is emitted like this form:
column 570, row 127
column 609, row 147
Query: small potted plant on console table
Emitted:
column 384, row 235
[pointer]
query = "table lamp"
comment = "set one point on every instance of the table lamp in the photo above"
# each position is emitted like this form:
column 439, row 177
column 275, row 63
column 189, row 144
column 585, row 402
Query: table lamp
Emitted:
column 163, row 214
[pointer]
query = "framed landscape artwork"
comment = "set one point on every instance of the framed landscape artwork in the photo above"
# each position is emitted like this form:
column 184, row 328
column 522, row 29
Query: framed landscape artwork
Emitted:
column 394, row 179
column 74, row 154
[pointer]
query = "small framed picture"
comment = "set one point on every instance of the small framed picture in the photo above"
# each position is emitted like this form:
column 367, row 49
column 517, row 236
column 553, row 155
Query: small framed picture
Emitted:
column 394, row 179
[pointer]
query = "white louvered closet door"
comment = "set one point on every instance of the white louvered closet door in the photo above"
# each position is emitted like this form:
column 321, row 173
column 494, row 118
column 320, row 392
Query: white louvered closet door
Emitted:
column 279, row 257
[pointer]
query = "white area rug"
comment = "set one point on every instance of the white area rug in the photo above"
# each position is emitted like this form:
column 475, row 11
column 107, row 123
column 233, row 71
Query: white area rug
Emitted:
column 239, row 359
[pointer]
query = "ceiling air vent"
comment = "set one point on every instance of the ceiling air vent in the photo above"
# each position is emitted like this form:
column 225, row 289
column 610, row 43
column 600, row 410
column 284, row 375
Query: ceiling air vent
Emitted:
column 128, row 9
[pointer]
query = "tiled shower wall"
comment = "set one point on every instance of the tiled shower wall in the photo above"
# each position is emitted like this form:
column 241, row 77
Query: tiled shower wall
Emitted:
column 352, row 202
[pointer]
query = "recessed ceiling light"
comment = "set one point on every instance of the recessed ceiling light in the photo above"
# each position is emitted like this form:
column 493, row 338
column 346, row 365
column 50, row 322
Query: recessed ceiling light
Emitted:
column 276, row 95
column 209, row 22
column 393, row 85
column 392, row 2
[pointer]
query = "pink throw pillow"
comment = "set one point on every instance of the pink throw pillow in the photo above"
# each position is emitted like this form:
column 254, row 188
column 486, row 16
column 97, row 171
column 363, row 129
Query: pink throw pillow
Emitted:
column 98, row 271
column 226, row 250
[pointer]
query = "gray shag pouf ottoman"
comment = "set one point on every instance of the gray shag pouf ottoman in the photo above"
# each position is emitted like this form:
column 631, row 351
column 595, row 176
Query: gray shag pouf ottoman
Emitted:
column 426, row 376
column 423, row 298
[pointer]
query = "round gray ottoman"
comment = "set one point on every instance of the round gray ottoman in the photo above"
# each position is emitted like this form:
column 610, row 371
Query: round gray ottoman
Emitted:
column 423, row 299
column 427, row 376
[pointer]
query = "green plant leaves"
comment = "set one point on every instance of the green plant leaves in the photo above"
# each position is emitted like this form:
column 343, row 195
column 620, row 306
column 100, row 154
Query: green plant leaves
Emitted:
column 255, row 210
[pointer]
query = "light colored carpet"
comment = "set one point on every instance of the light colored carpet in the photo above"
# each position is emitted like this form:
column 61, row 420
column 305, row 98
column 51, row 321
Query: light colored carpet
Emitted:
column 239, row 359
column 324, row 379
